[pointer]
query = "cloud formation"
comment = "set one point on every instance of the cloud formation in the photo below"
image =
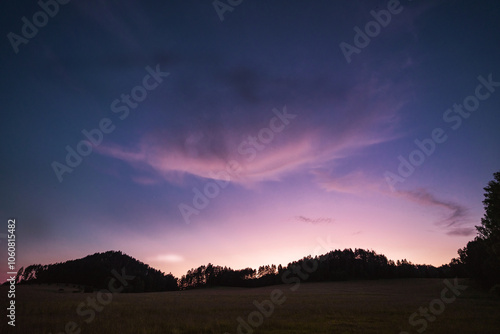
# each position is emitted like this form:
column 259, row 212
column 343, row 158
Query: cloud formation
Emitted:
column 268, row 145
column 318, row 220
column 357, row 182
column 456, row 217
column 170, row 258
column 457, row 213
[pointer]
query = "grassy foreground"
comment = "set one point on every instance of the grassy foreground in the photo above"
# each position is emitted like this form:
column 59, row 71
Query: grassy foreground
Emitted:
column 338, row 307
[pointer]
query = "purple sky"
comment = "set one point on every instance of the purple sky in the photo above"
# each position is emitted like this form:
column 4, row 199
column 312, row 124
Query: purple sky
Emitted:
column 243, row 141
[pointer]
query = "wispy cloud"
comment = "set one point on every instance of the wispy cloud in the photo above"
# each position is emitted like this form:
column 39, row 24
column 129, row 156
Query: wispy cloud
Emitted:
column 462, row 231
column 364, row 115
column 317, row 220
column 171, row 161
column 170, row 258
column 457, row 213
column 357, row 182
column 456, row 216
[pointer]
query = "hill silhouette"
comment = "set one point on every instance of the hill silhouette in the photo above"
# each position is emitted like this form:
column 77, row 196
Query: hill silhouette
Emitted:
column 480, row 259
column 336, row 265
column 95, row 272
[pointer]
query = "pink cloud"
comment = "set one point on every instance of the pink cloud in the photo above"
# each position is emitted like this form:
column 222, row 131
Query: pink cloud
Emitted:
column 367, row 116
column 316, row 220
column 456, row 215
column 169, row 258
column 145, row 180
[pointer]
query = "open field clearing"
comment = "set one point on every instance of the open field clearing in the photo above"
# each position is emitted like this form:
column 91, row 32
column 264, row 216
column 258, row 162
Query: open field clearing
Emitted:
column 383, row 306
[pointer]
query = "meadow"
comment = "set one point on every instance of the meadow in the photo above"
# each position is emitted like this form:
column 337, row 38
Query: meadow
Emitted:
column 382, row 306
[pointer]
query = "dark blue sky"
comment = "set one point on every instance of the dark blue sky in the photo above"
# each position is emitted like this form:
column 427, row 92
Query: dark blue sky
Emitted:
column 319, row 171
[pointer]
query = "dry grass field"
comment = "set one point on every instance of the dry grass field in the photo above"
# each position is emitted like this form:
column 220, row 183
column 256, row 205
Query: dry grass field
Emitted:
column 364, row 307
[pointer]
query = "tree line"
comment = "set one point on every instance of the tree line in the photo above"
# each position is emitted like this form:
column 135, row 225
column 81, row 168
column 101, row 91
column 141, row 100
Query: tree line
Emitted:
column 95, row 271
column 481, row 257
column 480, row 260
column 337, row 265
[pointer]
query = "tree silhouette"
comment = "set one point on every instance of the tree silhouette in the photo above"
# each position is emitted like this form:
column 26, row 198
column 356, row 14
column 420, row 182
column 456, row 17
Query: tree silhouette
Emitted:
column 490, row 223
column 95, row 271
column 481, row 256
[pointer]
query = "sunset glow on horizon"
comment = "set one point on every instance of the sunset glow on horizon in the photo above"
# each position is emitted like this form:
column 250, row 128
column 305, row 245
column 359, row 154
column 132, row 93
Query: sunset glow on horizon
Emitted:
column 249, row 141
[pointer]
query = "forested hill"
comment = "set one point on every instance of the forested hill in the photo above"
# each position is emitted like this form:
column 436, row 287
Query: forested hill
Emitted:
column 480, row 260
column 336, row 265
column 96, row 271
